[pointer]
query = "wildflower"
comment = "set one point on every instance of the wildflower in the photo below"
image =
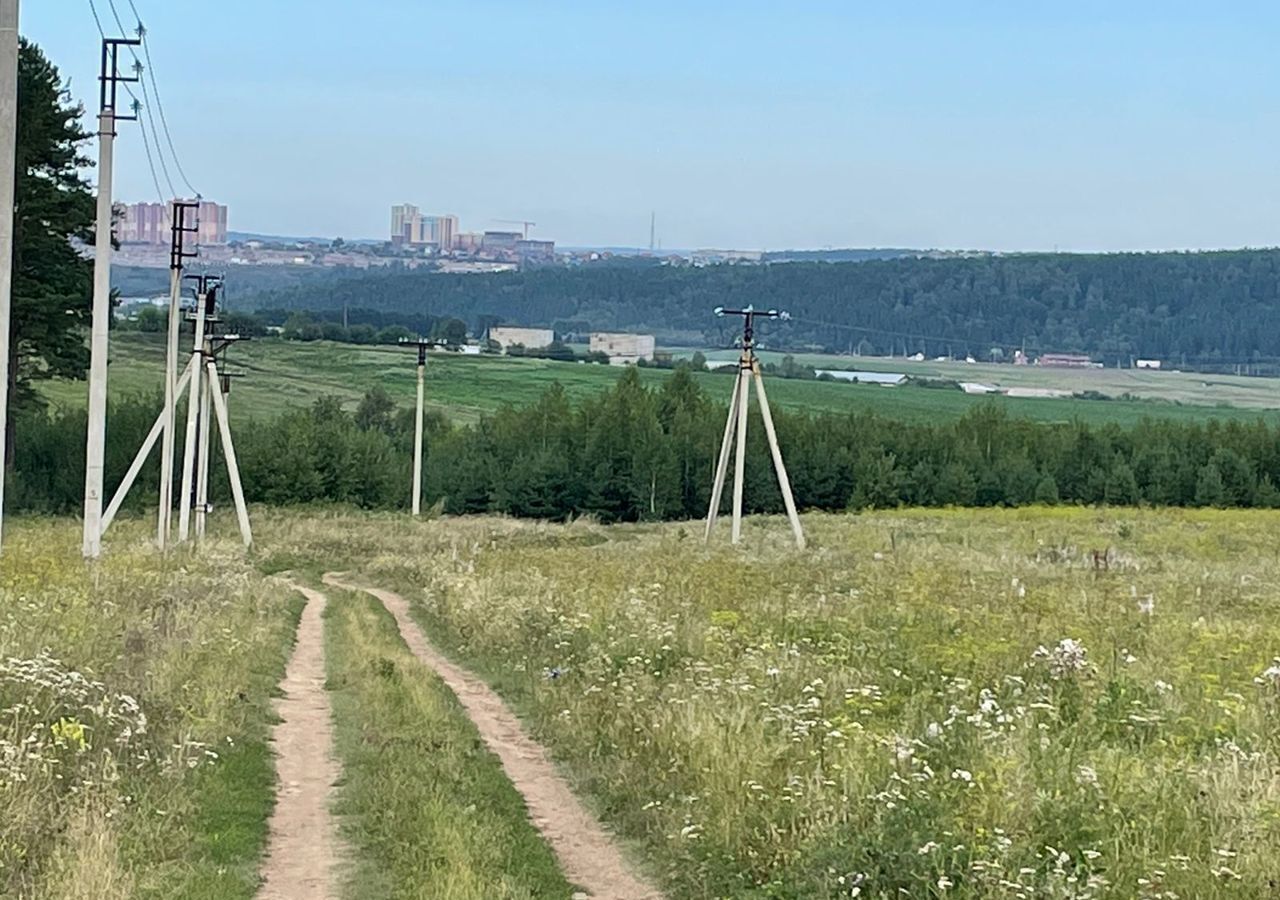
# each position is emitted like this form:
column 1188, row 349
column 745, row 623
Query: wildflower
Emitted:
column 962, row 775
column 933, row 732
column 1147, row 605
column 944, row 882
column 1087, row 776
column 1270, row 676
column 1064, row 660
column 927, row 848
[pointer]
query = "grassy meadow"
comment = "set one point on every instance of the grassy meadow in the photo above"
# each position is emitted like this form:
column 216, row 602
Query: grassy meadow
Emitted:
column 942, row 704
column 933, row 704
column 285, row 374
column 134, row 707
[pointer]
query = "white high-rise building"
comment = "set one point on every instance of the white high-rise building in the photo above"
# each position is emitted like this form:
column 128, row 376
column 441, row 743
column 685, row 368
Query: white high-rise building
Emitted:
column 410, row 227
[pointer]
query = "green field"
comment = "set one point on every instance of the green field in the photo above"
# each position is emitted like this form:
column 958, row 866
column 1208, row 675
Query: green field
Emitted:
column 1169, row 386
column 283, row 374
column 951, row 704
column 955, row 704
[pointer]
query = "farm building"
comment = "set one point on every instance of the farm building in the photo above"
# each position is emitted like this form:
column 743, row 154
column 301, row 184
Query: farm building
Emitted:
column 623, row 349
column 530, row 338
column 1148, row 364
column 886, row 379
column 1065, row 361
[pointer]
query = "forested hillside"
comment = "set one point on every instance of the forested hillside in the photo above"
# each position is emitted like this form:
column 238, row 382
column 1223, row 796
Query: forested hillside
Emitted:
column 1188, row 308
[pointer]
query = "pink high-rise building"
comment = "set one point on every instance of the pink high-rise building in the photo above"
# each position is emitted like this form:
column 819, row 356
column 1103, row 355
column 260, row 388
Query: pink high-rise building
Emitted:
column 149, row 223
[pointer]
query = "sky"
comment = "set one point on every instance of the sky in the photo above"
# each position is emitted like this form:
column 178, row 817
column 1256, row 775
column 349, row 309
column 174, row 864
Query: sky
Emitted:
column 1082, row 126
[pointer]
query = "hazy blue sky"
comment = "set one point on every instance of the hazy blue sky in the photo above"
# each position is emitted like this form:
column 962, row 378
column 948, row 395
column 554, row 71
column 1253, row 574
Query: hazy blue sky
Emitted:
column 1003, row 125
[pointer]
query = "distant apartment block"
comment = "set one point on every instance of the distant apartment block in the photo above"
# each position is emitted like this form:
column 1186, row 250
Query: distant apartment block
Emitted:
column 536, row 251
column 469, row 242
column 500, row 241
column 410, row 228
column 623, row 349
column 530, row 338
column 149, row 223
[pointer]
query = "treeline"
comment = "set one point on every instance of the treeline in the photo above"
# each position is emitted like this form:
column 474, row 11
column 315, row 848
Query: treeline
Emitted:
column 635, row 453
column 1210, row 309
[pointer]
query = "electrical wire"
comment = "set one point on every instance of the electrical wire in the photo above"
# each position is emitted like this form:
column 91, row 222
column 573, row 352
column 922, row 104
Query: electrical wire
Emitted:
column 145, row 72
column 101, row 33
column 156, row 135
column 146, row 145
column 155, row 89
column 149, row 72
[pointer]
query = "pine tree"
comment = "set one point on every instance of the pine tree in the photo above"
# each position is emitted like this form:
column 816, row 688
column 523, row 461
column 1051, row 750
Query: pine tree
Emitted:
column 53, row 205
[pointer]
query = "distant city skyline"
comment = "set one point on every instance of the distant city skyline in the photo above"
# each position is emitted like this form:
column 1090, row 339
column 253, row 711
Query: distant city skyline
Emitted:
column 1007, row 126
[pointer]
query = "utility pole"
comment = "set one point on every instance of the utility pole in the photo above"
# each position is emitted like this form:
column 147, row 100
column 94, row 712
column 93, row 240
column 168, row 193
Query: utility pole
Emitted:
column 8, row 179
column 206, row 292
column 422, row 344
column 748, row 370
column 96, row 440
column 180, row 227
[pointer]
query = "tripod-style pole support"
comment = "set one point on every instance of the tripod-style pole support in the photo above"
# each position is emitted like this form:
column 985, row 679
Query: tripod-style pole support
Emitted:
column 183, row 223
column 206, row 292
column 229, row 453
column 735, row 433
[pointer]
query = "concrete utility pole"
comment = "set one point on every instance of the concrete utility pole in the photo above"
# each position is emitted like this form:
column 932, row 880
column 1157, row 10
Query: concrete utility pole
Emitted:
column 748, row 369
column 422, row 345
column 206, row 298
column 8, row 178
column 96, row 441
column 180, row 227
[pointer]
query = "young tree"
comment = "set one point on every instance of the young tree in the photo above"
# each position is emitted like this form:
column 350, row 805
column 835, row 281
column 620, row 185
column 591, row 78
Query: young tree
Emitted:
column 375, row 410
column 53, row 205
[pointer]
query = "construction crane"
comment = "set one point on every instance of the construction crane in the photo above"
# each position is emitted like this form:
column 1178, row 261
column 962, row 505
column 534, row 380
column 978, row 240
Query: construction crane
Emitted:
column 527, row 224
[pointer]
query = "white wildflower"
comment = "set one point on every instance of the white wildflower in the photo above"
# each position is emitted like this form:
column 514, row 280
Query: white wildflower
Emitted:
column 1087, row 776
column 1064, row 660
column 1270, row 677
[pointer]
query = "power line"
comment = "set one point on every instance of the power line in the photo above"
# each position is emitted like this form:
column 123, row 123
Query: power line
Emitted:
column 115, row 15
column 155, row 134
column 155, row 89
column 146, row 145
column 97, row 21
column 103, row 34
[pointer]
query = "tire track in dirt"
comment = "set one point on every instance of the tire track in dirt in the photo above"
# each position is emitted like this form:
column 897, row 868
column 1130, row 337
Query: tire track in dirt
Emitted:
column 302, row 845
column 589, row 855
